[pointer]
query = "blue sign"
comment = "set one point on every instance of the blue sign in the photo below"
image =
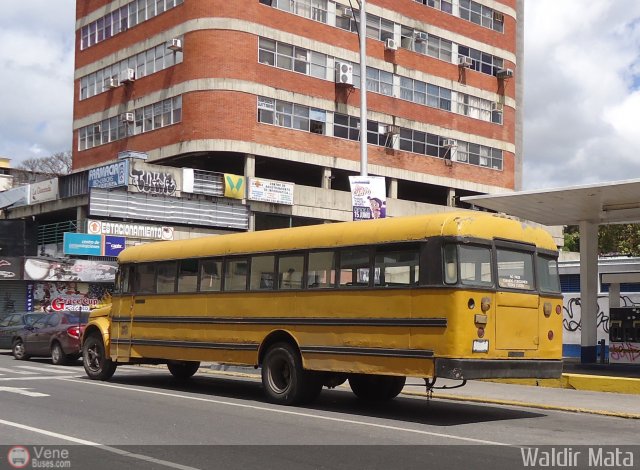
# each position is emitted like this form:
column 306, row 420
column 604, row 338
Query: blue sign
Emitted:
column 82, row 244
column 113, row 245
column 109, row 176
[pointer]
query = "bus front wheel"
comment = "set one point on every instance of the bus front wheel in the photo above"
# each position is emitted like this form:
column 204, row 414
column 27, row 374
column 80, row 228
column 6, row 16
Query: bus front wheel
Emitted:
column 182, row 370
column 94, row 358
column 376, row 387
column 284, row 379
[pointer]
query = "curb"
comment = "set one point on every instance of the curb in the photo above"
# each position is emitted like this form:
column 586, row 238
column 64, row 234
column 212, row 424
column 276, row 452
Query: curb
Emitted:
column 592, row 383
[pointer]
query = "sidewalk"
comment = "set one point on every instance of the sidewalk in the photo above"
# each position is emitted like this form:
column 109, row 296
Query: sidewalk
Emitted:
column 583, row 392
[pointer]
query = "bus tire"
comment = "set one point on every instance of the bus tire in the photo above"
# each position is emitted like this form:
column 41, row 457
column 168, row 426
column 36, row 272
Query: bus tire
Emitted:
column 285, row 381
column 183, row 370
column 376, row 387
column 94, row 358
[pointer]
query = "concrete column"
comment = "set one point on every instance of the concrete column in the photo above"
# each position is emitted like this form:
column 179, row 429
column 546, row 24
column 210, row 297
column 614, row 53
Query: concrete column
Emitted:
column 451, row 197
column 393, row 188
column 326, row 178
column 249, row 165
column 82, row 213
column 588, row 291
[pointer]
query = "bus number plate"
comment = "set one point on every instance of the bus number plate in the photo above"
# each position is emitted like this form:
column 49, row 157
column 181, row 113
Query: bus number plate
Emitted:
column 480, row 345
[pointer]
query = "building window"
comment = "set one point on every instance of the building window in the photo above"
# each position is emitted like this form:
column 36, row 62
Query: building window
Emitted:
column 290, row 115
column 379, row 28
column 312, row 9
column 444, row 5
column 480, row 155
column 379, row 81
column 438, row 97
column 482, row 62
column 346, row 127
column 288, row 57
column 426, row 44
column 482, row 15
column 123, row 18
column 413, row 90
column 474, row 107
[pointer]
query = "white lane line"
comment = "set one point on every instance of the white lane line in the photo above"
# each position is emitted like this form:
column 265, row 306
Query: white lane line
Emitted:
column 39, row 377
column 114, row 450
column 13, row 371
column 48, row 369
column 288, row 412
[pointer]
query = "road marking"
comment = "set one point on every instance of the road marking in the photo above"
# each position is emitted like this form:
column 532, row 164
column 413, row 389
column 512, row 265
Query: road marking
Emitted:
column 22, row 391
column 39, row 377
column 47, row 369
column 288, row 412
column 97, row 445
column 13, row 371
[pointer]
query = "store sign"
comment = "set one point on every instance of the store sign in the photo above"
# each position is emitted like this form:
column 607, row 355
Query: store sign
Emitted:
column 43, row 191
column 368, row 197
column 113, row 245
column 109, row 176
column 234, row 186
column 130, row 230
column 64, row 269
column 10, row 269
column 82, row 244
column 275, row 192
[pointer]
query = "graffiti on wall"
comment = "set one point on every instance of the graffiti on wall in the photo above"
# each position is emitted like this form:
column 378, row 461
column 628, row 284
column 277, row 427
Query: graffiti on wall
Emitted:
column 624, row 353
column 153, row 182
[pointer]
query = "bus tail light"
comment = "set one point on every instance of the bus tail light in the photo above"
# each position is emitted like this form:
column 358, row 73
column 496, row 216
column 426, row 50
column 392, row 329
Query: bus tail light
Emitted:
column 550, row 335
column 481, row 332
column 547, row 309
column 486, row 304
column 558, row 309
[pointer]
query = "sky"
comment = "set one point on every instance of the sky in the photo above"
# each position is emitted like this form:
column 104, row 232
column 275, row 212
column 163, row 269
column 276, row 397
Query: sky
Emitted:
column 582, row 87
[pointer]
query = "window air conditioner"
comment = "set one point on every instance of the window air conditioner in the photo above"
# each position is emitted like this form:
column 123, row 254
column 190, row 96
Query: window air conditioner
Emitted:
column 392, row 130
column 175, row 45
column 390, row 44
column 127, row 117
column 420, row 36
column 448, row 143
column 464, row 61
column 504, row 73
column 497, row 16
column 127, row 75
column 344, row 73
column 497, row 107
column 347, row 12
column 110, row 83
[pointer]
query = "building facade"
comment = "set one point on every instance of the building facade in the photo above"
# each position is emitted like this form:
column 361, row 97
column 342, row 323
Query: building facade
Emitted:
column 271, row 89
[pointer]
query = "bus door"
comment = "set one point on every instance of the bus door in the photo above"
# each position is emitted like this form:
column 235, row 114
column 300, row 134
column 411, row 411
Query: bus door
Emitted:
column 517, row 302
column 122, row 315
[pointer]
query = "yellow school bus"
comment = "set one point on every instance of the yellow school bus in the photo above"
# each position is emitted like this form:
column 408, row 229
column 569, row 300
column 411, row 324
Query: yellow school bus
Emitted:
column 459, row 295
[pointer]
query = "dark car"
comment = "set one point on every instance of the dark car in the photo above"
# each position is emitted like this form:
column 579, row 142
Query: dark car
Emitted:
column 56, row 335
column 13, row 323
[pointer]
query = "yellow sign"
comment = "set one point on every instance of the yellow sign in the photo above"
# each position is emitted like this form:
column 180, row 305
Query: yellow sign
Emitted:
column 234, row 186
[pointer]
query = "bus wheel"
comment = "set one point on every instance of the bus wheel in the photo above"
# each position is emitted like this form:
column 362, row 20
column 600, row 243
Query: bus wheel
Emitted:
column 182, row 370
column 284, row 379
column 376, row 387
column 94, row 358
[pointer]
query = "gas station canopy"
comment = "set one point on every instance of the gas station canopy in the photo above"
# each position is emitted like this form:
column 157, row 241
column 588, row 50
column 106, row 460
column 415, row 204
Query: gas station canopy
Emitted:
column 603, row 203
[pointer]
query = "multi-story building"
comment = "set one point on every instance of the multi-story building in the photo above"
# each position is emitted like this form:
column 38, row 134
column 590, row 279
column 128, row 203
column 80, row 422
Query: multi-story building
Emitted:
column 271, row 89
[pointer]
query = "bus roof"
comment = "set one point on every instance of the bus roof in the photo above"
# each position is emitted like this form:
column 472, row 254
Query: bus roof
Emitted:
column 461, row 223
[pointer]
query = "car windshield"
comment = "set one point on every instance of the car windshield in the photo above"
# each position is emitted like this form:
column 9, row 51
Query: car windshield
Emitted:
column 30, row 318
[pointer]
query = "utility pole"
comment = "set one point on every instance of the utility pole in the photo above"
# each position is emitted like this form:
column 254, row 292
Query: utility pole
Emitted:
column 363, row 88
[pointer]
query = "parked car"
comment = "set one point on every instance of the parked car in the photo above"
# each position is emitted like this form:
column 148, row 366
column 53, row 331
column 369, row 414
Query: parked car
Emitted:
column 56, row 335
column 13, row 323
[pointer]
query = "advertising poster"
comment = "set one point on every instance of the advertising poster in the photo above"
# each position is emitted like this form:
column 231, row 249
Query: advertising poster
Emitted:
column 368, row 197
column 275, row 192
column 76, row 270
column 82, row 244
column 109, row 176
column 69, row 296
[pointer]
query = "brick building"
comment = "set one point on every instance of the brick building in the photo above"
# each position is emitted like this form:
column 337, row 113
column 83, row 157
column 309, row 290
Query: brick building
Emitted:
column 270, row 89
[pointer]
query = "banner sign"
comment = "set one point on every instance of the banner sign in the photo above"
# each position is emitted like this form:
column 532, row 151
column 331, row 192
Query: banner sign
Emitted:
column 130, row 230
column 109, row 176
column 43, row 191
column 10, row 269
column 82, row 244
column 276, row 192
column 69, row 296
column 234, row 186
column 113, row 245
column 77, row 270
column 368, row 197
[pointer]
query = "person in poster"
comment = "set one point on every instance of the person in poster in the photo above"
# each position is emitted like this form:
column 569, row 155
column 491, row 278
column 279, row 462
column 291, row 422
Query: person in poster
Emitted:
column 378, row 208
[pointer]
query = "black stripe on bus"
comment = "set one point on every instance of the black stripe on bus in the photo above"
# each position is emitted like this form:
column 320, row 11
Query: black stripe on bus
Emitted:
column 392, row 322
column 186, row 344
column 349, row 351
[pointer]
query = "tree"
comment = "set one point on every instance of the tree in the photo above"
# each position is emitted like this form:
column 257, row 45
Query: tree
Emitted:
column 54, row 165
column 622, row 239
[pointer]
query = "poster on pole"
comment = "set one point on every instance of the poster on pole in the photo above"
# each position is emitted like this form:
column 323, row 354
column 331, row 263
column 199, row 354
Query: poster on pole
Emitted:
column 368, row 197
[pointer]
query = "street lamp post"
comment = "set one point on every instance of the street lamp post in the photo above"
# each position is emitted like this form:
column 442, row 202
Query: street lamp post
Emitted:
column 363, row 88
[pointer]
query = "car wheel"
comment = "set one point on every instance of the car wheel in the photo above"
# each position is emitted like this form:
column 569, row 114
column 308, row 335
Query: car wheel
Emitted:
column 182, row 370
column 19, row 351
column 94, row 358
column 58, row 357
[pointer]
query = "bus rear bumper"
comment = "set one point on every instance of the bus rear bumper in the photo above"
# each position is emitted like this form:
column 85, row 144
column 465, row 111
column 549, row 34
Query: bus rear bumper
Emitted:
column 467, row 369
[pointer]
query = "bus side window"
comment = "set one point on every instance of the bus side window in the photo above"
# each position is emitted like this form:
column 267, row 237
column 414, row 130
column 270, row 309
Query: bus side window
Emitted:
column 262, row 272
column 290, row 270
column 321, row 272
column 450, row 264
column 354, row 267
column 396, row 266
column 145, row 275
column 166, row 282
column 210, row 275
column 125, row 284
column 188, row 275
column 235, row 274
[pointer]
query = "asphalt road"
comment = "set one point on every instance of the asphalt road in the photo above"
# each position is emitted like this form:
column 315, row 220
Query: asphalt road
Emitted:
column 143, row 418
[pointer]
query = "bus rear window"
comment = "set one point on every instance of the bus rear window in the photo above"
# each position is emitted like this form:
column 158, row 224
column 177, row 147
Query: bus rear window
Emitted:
column 547, row 271
column 475, row 265
column 515, row 269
